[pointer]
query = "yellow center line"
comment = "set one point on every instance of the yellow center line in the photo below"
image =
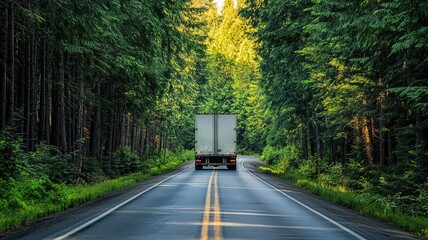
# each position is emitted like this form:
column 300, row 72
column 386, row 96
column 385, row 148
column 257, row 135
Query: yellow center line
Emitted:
column 217, row 219
column 206, row 218
column 207, row 210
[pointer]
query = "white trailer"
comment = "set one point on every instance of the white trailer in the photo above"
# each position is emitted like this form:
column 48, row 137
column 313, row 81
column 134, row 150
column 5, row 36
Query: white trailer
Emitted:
column 215, row 140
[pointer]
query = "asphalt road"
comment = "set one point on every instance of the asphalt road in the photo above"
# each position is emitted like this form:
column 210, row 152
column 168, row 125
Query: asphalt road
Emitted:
column 214, row 203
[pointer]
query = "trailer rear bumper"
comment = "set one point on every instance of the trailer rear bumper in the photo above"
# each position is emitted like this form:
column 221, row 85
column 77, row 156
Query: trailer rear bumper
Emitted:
column 229, row 161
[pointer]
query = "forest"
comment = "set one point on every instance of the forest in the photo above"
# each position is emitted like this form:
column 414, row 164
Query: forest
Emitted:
column 332, row 91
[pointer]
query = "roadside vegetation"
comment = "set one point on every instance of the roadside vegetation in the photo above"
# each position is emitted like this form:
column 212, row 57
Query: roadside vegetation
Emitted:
column 335, row 92
column 380, row 192
column 44, row 181
column 346, row 101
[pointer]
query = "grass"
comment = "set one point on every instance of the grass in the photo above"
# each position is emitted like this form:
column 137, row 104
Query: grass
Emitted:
column 72, row 196
column 367, row 204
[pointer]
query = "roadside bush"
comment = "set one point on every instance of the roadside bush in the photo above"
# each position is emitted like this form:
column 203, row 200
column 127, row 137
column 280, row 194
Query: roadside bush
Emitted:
column 48, row 160
column 27, row 192
column 415, row 204
column 357, row 173
column 184, row 155
column 271, row 155
column 12, row 157
column 96, row 170
column 338, row 178
column 30, row 197
column 125, row 161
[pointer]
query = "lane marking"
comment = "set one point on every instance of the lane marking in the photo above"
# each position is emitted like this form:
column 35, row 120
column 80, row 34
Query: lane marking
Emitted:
column 356, row 235
column 207, row 210
column 92, row 221
column 216, row 210
column 217, row 218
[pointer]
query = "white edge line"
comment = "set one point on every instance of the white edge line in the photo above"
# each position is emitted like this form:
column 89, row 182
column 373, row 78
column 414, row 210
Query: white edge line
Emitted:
column 307, row 207
column 92, row 221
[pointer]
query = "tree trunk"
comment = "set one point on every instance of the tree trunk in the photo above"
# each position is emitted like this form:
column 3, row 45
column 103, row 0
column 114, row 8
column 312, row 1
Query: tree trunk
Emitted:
column 126, row 137
column 28, row 92
column 33, row 109
column 110, row 134
column 141, row 144
column 21, row 83
column 391, row 157
column 95, row 138
column 304, row 143
column 146, row 141
column 161, row 139
column 78, row 124
column 124, row 130
column 419, row 137
column 26, row 95
column 381, row 105
column 345, row 152
column 58, row 109
column 71, row 94
column 318, row 141
column 333, row 157
column 3, row 80
column 10, row 108
column 116, row 134
column 44, row 98
column 366, row 133
column 311, row 138
column 381, row 143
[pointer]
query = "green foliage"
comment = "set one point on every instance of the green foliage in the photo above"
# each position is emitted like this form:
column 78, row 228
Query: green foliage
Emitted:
column 283, row 159
column 11, row 157
column 98, row 170
column 388, row 193
column 339, row 65
column 231, row 75
column 373, row 205
column 125, row 161
column 345, row 83
column 310, row 168
column 27, row 199
column 406, row 212
column 270, row 154
column 47, row 160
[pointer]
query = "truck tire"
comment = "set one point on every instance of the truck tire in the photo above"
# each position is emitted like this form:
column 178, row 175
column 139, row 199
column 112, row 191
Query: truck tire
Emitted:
column 198, row 167
column 231, row 167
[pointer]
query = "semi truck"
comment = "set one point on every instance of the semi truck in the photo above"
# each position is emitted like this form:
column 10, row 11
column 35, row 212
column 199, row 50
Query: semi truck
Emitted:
column 215, row 140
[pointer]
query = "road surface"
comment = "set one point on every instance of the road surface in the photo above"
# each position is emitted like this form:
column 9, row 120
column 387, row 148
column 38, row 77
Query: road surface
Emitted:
column 214, row 203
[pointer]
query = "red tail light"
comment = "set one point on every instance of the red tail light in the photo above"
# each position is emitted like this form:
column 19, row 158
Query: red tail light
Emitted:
column 233, row 160
column 198, row 160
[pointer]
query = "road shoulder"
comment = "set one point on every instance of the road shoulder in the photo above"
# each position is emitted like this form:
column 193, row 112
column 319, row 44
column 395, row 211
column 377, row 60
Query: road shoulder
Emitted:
column 366, row 226
column 68, row 219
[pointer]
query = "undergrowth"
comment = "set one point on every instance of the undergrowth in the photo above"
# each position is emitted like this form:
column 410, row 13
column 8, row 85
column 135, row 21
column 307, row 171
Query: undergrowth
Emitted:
column 43, row 182
column 379, row 192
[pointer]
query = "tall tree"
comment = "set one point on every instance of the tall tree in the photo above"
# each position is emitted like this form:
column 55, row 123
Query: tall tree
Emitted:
column 10, row 61
column 232, row 73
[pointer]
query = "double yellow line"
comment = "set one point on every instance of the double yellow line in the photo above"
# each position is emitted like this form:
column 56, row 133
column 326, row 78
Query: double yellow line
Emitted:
column 207, row 211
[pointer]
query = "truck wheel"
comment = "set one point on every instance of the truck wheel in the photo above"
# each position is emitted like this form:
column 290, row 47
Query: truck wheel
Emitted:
column 198, row 167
